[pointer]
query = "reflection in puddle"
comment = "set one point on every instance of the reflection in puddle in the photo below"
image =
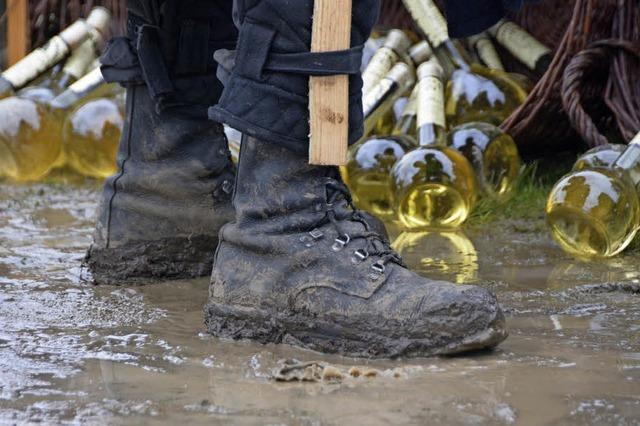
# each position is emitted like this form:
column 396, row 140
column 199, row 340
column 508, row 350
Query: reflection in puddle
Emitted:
column 448, row 256
column 75, row 353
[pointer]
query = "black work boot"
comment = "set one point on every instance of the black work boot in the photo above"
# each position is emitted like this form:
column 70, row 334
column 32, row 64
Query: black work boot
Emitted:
column 159, row 216
column 301, row 266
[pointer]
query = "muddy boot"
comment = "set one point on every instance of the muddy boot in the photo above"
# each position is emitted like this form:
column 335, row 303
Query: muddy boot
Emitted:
column 159, row 216
column 301, row 266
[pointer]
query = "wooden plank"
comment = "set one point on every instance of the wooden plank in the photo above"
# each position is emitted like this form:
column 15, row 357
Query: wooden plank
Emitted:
column 17, row 30
column 329, row 96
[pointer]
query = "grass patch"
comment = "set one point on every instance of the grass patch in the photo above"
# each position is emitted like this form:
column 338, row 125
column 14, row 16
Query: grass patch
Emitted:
column 527, row 200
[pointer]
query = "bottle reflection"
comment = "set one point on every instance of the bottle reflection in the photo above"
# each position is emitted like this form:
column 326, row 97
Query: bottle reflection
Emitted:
column 439, row 255
column 615, row 270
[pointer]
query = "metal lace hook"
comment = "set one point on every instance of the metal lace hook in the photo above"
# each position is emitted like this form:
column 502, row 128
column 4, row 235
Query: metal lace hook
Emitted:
column 378, row 267
column 341, row 242
column 359, row 256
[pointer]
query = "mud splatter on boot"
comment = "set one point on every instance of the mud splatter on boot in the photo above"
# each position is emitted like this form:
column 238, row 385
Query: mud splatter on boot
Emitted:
column 159, row 216
column 301, row 266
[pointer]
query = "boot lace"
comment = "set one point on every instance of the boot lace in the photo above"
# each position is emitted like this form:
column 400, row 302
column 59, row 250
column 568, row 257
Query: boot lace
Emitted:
column 374, row 244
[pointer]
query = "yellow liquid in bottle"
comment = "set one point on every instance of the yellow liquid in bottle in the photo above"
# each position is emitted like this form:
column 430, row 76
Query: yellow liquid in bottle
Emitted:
column 493, row 154
column 43, row 95
column 605, row 156
column 38, row 94
column 367, row 172
column 447, row 255
column 29, row 141
column 481, row 94
column 598, row 157
column 593, row 213
column 385, row 124
column 91, row 134
column 433, row 187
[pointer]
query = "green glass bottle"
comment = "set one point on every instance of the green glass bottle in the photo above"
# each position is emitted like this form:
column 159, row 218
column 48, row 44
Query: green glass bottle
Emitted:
column 433, row 185
column 595, row 212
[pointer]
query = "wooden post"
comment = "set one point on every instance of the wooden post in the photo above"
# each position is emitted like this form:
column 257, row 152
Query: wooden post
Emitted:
column 17, row 30
column 329, row 96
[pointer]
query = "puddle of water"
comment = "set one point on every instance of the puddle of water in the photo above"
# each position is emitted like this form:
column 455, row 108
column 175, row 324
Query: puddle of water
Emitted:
column 75, row 353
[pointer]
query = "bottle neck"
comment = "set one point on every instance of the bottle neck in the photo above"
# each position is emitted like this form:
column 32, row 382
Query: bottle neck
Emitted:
column 432, row 23
column 381, row 62
column 406, row 123
column 522, row 45
column 486, row 51
column 377, row 101
column 450, row 57
column 43, row 58
column 430, row 134
column 431, row 116
column 79, row 61
column 78, row 90
column 630, row 158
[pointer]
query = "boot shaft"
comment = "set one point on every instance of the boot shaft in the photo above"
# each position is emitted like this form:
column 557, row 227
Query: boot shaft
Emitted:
column 265, row 168
column 174, row 177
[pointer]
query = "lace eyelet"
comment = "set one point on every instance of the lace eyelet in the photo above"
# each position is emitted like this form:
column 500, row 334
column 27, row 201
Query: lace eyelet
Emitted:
column 309, row 240
column 316, row 234
column 378, row 267
column 359, row 256
column 341, row 242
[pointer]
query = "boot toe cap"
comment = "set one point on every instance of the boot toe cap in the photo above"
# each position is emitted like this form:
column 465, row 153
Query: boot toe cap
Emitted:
column 420, row 318
column 463, row 319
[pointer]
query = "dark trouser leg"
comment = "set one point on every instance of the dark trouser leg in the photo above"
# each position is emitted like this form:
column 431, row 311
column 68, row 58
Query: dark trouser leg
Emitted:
column 159, row 216
column 300, row 265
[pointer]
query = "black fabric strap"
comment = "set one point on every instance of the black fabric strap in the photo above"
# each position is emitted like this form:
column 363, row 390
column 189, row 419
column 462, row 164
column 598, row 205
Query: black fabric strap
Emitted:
column 255, row 55
column 317, row 63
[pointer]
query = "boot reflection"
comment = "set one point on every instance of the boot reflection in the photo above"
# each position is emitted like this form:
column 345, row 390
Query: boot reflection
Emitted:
column 448, row 256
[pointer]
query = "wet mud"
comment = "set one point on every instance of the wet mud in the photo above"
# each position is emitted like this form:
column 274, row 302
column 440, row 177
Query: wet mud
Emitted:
column 71, row 352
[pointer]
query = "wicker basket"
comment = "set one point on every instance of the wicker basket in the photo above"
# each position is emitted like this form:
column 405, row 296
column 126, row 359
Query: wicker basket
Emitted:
column 49, row 17
column 602, row 87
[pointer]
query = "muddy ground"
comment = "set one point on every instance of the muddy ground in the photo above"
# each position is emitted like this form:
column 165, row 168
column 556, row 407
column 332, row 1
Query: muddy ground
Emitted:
column 74, row 353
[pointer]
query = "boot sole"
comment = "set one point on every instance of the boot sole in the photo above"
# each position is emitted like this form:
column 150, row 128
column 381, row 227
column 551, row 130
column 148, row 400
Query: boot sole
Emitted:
column 317, row 335
column 149, row 262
